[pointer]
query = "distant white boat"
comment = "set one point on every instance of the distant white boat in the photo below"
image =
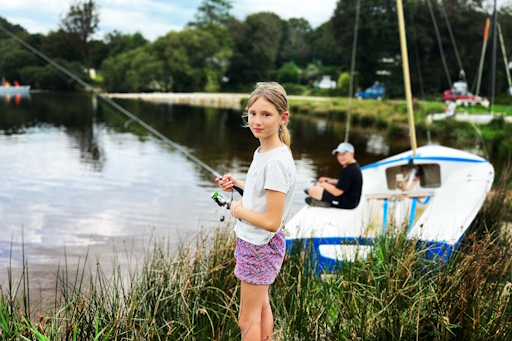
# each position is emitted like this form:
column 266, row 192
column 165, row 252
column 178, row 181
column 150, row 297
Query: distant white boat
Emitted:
column 14, row 90
column 438, row 211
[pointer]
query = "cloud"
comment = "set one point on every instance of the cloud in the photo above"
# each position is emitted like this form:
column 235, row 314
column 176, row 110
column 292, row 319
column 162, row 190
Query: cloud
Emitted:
column 130, row 21
column 152, row 18
column 155, row 18
column 316, row 12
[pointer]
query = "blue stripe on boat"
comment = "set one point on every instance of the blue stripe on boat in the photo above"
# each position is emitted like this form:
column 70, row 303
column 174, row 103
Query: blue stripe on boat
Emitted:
column 423, row 158
column 432, row 249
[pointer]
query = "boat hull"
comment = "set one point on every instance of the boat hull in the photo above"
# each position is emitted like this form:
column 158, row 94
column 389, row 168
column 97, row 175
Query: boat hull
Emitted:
column 14, row 90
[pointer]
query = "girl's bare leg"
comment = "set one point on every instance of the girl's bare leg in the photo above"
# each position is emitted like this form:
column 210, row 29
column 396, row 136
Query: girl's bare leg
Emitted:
column 267, row 320
column 252, row 298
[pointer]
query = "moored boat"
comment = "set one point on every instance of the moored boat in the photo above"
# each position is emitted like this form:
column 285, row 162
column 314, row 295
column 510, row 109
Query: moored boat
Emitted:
column 437, row 211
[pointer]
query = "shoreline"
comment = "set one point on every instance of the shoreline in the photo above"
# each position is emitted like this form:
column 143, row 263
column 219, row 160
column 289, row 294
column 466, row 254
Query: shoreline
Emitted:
column 217, row 100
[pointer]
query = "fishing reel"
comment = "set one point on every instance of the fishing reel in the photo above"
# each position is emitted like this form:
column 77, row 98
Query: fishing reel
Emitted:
column 222, row 201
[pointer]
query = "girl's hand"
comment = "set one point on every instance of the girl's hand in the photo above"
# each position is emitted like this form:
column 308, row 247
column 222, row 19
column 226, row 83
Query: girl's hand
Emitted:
column 226, row 182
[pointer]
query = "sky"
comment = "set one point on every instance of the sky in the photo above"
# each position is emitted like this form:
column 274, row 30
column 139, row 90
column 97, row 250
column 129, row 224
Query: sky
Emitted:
column 154, row 18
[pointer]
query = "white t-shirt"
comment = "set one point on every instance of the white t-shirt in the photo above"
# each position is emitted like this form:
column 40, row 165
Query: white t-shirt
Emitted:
column 274, row 170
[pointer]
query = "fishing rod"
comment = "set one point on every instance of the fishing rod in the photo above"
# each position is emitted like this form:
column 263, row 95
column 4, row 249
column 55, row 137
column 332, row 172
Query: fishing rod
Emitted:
column 127, row 113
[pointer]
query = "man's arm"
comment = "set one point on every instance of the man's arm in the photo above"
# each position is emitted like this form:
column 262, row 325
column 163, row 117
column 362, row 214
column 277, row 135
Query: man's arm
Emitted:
column 332, row 188
column 328, row 180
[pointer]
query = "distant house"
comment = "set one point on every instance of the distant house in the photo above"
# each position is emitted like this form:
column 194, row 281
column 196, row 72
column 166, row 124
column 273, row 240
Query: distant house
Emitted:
column 326, row 83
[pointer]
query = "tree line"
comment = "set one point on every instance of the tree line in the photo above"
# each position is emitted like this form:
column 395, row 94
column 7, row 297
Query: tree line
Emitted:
column 218, row 52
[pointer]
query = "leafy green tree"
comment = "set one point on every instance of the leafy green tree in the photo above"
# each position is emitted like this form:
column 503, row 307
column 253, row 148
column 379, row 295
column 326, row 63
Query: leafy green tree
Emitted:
column 144, row 72
column 289, row 73
column 134, row 71
column 256, row 47
column 295, row 47
column 61, row 44
column 344, row 82
column 98, row 52
column 118, row 43
column 377, row 35
column 193, row 57
column 324, row 47
column 13, row 58
column 82, row 20
column 212, row 12
column 48, row 77
column 16, row 29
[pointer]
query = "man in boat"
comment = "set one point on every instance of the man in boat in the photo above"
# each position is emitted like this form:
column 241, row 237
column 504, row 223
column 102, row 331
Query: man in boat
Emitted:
column 450, row 109
column 344, row 192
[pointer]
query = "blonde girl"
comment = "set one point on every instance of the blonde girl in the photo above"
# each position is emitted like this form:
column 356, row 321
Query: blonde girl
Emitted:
column 262, row 212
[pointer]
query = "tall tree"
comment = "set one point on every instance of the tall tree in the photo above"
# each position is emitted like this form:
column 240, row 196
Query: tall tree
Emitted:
column 120, row 43
column 13, row 28
column 212, row 12
column 257, row 42
column 295, row 48
column 82, row 20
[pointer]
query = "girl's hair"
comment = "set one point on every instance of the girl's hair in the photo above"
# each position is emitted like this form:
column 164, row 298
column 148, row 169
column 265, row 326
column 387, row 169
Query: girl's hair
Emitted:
column 276, row 95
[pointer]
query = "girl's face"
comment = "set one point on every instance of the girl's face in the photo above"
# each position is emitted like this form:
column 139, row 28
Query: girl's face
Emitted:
column 264, row 119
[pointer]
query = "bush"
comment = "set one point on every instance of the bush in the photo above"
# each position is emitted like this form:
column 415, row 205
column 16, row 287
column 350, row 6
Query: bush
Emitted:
column 344, row 82
column 48, row 77
column 288, row 73
column 294, row 89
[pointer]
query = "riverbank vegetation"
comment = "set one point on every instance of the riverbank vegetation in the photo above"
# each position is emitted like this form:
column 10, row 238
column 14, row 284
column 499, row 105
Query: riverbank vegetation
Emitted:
column 218, row 52
column 395, row 294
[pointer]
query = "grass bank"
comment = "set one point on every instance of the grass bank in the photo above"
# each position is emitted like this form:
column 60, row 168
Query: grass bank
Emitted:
column 192, row 294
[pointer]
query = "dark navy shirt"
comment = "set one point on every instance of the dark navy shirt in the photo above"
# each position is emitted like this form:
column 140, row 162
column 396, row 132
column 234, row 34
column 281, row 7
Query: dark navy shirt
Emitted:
column 350, row 182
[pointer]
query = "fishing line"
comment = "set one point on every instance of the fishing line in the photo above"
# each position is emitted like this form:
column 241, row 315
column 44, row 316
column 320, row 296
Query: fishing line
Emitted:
column 115, row 105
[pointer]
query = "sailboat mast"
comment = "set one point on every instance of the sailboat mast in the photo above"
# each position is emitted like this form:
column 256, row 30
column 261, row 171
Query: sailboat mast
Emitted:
column 407, row 80
column 493, row 59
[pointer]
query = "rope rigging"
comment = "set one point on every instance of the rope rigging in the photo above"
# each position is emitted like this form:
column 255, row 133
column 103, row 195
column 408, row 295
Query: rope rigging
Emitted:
column 352, row 67
column 416, row 50
column 439, row 43
column 462, row 73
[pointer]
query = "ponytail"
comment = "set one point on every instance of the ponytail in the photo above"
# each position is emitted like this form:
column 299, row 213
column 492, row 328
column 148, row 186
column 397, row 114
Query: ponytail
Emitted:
column 284, row 135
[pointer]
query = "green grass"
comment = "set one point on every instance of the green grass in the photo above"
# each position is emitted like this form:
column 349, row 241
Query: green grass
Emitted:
column 192, row 294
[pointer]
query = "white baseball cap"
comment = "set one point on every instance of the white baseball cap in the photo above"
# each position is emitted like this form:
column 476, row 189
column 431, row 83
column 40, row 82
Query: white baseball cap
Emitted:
column 343, row 147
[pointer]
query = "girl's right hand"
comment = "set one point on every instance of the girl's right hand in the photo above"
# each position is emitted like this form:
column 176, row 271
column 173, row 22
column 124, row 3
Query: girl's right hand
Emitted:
column 226, row 182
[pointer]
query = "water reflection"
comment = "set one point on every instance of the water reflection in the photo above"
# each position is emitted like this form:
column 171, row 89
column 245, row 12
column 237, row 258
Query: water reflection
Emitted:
column 14, row 98
column 377, row 145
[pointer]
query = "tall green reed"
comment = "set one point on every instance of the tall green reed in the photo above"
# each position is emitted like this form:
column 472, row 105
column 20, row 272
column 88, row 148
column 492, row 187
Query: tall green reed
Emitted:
column 190, row 293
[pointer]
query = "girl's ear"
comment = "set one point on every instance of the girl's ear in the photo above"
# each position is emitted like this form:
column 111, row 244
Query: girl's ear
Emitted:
column 284, row 117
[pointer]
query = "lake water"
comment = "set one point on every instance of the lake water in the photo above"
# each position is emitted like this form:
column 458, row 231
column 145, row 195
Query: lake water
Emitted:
column 77, row 175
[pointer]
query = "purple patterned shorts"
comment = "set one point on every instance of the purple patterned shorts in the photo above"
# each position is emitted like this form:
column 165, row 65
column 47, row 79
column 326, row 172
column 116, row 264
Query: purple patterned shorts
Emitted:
column 259, row 264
